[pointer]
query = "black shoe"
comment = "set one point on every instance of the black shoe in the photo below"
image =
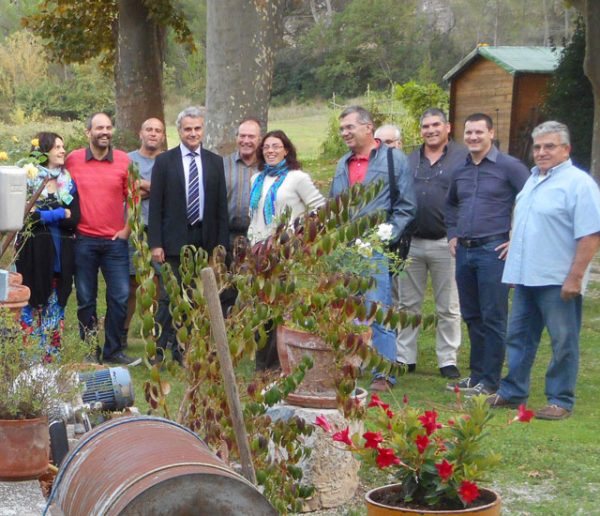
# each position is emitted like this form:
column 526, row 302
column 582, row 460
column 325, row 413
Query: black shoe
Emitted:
column 410, row 368
column 450, row 371
column 121, row 358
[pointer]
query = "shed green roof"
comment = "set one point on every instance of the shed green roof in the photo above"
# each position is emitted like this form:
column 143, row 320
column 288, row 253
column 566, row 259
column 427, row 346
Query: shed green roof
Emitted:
column 514, row 60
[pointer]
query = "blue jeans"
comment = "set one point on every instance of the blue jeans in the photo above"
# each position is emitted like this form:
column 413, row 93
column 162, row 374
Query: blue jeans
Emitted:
column 533, row 309
column 111, row 257
column 384, row 339
column 484, row 307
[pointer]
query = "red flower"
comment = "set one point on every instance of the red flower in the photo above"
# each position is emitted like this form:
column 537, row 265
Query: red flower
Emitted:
column 343, row 436
column 456, row 389
column 372, row 439
column 429, row 421
column 445, row 469
column 451, row 422
column 524, row 416
column 376, row 402
column 389, row 414
column 405, row 399
column 422, row 443
column 468, row 491
column 386, row 457
column 323, row 423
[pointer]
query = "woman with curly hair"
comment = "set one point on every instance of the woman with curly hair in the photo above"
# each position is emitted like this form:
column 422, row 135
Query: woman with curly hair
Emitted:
column 45, row 249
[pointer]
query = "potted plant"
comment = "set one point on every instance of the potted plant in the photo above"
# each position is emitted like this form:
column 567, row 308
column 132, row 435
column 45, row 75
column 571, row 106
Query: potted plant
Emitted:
column 29, row 389
column 437, row 464
column 288, row 279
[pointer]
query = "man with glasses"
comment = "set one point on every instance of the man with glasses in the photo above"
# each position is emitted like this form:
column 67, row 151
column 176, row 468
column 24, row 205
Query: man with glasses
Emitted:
column 431, row 165
column 556, row 234
column 478, row 213
column 366, row 163
column 188, row 206
column 390, row 135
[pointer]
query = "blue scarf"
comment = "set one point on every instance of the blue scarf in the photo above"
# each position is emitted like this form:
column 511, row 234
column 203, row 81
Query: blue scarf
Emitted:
column 280, row 171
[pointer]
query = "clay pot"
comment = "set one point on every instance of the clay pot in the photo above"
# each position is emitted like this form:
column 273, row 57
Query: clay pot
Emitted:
column 317, row 389
column 18, row 295
column 490, row 508
column 25, row 448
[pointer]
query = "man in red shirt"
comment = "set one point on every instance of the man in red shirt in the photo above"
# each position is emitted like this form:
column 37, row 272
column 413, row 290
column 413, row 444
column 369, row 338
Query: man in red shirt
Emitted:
column 100, row 173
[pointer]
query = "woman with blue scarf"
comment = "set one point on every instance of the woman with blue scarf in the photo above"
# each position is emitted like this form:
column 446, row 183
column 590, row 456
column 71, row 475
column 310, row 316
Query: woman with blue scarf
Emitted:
column 279, row 185
column 45, row 250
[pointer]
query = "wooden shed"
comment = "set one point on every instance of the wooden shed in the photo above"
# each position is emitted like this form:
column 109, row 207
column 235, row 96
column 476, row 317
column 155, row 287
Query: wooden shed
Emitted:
column 506, row 83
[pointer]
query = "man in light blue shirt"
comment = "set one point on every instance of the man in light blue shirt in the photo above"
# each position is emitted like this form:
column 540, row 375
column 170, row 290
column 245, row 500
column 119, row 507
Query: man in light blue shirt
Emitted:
column 556, row 232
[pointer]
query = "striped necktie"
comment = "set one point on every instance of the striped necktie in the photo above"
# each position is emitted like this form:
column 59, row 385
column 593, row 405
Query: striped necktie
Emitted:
column 193, row 205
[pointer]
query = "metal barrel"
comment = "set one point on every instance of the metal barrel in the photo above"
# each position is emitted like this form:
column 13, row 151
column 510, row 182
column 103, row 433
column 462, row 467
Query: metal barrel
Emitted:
column 147, row 465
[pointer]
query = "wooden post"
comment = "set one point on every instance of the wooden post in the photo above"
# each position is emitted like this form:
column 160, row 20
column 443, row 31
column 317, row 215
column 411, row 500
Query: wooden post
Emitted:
column 217, row 324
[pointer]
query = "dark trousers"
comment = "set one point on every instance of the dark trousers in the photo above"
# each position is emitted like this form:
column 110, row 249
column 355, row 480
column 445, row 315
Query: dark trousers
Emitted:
column 163, row 315
column 484, row 307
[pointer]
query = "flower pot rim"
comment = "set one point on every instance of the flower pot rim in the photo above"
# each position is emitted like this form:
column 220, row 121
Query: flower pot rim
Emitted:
column 21, row 420
column 433, row 511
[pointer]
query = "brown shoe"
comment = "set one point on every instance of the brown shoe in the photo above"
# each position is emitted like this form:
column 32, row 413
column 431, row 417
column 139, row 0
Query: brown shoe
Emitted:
column 381, row 385
column 552, row 412
column 497, row 401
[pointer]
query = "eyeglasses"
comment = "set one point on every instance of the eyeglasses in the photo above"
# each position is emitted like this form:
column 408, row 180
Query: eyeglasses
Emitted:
column 349, row 127
column 272, row 147
column 546, row 146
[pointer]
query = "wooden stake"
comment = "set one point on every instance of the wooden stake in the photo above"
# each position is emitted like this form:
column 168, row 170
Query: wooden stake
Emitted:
column 217, row 324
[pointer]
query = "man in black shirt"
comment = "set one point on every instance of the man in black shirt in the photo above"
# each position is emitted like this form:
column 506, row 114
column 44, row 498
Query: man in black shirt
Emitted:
column 432, row 165
column 478, row 216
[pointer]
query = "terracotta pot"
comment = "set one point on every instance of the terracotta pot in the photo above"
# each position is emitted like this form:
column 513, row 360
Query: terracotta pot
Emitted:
column 18, row 295
column 25, row 448
column 317, row 390
column 491, row 508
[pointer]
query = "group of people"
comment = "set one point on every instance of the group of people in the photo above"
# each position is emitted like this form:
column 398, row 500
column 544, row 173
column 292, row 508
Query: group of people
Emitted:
column 477, row 219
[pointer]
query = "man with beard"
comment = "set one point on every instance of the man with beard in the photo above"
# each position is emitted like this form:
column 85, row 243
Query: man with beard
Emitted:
column 101, row 175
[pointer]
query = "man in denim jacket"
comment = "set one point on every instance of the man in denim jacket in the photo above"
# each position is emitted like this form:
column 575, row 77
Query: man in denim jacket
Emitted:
column 366, row 163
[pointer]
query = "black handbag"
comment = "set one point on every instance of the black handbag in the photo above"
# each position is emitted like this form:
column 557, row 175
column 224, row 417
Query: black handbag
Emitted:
column 402, row 245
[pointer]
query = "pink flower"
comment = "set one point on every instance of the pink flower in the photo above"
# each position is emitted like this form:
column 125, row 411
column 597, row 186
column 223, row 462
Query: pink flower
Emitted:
column 445, row 469
column 429, row 421
column 343, row 436
column 468, row 491
column 376, row 402
column 386, row 457
column 372, row 439
column 323, row 423
column 422, row 443
column 524, row 415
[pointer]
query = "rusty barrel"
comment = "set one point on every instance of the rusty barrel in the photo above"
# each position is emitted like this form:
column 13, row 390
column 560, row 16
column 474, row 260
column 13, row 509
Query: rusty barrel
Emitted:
column 148, row 465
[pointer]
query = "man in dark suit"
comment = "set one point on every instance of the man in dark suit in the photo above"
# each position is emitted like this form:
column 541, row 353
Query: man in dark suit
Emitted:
column 188, row 206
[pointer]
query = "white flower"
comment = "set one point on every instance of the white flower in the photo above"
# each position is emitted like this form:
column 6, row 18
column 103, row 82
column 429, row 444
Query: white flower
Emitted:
column 364, row 248
column 384, row 232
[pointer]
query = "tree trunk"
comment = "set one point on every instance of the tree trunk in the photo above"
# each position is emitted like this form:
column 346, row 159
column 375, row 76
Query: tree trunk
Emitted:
column 242, row 36
column 138, row 70
column 590, row 10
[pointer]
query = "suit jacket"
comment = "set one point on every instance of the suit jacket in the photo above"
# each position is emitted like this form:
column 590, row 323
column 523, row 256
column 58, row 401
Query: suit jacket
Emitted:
column 167, row 219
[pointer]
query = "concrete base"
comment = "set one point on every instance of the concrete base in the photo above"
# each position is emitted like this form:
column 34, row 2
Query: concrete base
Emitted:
column 330, row 468
column 21, row 498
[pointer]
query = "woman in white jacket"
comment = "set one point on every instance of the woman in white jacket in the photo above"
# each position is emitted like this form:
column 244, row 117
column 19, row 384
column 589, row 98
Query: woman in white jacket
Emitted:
column 280, row 184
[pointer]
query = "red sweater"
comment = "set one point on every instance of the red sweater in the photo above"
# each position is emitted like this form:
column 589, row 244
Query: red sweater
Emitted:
column 102, row 187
